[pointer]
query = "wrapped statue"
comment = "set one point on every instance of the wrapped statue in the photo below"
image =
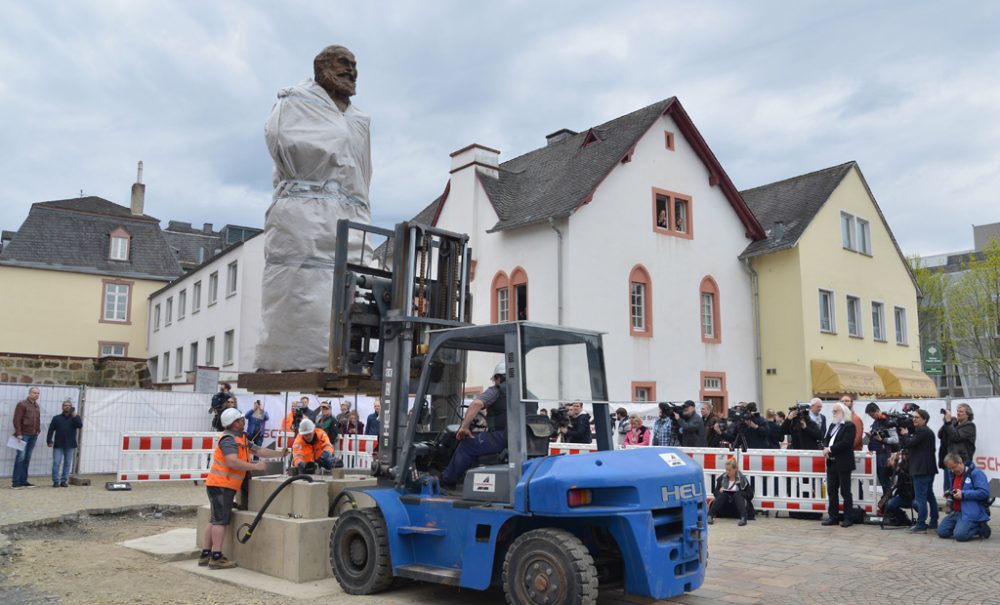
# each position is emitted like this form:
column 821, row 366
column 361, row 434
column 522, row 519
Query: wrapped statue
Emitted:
column 321, row 147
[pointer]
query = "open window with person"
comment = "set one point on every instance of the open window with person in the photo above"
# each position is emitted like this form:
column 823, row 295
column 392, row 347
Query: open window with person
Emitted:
column 672, row 214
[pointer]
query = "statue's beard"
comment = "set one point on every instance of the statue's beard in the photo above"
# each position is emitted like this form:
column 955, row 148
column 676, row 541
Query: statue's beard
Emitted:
column 338, row 85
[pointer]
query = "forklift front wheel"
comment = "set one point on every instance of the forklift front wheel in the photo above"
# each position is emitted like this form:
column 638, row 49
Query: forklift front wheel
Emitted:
column 359, row 551
column 549, row 567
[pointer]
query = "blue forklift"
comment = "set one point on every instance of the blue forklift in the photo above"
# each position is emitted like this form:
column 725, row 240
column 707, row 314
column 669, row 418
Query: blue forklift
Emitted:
column 551, row 530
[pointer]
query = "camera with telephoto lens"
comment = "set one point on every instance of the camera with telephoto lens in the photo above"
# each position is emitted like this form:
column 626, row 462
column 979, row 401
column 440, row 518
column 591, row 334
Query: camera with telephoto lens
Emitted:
column 738, row 414
column 560, row 417
column 670, row 408
column 893, row 420
column 801, row 408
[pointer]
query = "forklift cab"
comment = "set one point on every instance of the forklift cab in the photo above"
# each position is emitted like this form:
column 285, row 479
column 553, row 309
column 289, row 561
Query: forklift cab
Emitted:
column 545, row 366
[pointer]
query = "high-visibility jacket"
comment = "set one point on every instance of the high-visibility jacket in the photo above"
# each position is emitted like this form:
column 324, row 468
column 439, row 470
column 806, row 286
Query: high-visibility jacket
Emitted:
column 302, row 451
column 220, row 475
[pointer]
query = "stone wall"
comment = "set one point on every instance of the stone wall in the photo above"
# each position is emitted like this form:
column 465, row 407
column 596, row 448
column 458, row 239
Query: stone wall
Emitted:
column 113, row 372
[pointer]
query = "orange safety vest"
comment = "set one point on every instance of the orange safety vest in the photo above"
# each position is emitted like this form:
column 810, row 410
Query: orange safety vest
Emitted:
column 220, row 475
column 302, row 451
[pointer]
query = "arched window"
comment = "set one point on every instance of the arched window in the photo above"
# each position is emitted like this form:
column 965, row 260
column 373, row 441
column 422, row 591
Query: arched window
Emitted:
column 519, row 293
column 711, row 320
column 640, row 299
column 499, row 298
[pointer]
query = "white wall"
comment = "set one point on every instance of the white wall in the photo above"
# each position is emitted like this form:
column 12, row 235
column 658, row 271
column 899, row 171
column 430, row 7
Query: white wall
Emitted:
column 239, row 312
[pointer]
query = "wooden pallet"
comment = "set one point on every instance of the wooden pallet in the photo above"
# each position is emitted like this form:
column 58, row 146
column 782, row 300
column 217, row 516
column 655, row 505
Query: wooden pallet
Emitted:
column 319, row 383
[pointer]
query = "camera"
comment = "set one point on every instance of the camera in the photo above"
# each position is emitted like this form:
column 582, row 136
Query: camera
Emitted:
column 670, row 408
column 943, row 411
column 737, row 414
column 894, row 420
column 559, row 417
column 801, row 408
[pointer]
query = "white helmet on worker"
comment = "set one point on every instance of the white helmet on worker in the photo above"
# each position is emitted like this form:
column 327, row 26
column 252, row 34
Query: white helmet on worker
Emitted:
column 229, row 416
column 500, row 370
column 307, row 427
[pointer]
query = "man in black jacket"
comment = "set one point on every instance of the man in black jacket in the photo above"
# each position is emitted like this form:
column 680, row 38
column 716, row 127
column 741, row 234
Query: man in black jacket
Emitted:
column 804, row 434
column 692, row 426
column 923, row 466
column 62, row 438
column 579, row 429
column 753, row 429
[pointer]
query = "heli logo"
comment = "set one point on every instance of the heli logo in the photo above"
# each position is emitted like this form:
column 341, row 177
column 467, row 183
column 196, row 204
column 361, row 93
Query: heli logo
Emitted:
column 682, row 492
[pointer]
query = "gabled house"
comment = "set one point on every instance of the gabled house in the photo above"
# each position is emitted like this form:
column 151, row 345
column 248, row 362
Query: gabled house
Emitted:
column 74, row 284
column 630, row 227
column 838, row 302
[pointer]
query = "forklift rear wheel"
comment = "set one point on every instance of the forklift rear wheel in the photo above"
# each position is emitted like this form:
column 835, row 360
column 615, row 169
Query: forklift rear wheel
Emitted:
column 359, row 552
column 549, row 567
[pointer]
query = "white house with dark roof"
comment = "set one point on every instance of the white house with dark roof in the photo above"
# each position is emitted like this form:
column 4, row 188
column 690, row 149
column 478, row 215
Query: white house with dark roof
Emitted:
column 632, row 228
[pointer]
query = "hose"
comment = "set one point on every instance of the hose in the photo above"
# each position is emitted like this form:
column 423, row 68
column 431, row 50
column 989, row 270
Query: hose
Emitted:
column 249, row 527
column 336, row 501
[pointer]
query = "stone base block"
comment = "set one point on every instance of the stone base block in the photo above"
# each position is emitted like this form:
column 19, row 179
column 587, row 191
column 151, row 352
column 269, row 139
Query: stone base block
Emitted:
column 302, row 499
column 297, row 550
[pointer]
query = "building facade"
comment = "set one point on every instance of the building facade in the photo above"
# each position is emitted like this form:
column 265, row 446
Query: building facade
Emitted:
column 631, row 228
column 838, row 302
column 208, row 317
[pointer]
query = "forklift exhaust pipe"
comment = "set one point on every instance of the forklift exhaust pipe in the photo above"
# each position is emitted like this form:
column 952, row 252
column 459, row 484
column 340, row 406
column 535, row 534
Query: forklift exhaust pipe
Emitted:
column 249, row 527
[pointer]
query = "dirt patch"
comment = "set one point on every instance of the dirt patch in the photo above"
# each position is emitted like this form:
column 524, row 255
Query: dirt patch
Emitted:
column 79, row 562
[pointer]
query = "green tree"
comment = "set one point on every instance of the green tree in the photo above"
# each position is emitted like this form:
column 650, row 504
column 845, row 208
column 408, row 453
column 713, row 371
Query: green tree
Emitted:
column 973, row 313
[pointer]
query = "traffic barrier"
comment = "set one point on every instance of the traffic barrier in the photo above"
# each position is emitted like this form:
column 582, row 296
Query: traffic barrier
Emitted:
column 165, row 456
column 795, row 480
column 559, row 449
column 357, row 450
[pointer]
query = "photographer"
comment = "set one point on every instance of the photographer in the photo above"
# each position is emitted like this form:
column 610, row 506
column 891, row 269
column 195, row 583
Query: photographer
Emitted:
column 804, row 434
column 923, row 466
column 958, row 436
column 969, row 495
column 219, row 404
column 746, row 425
column 733, row 493
column 578, row 430
column 664, row 429
column 882, row 441
column 692, row 427
column 900, row 494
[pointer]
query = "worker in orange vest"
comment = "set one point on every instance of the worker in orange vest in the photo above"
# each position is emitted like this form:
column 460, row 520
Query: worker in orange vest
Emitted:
column 312, row 447
column 230, row 462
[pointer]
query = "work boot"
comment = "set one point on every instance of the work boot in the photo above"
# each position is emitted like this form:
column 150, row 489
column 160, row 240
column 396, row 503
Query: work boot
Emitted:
column 829, row 521
column 63, row 484
column 742, row 522
column 221, row 563
column 203, row 560
column 846, row 523
column 711, row 519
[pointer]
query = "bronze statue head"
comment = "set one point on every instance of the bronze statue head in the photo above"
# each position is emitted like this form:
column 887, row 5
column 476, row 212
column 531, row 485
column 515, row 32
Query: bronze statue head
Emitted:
column 336, row 70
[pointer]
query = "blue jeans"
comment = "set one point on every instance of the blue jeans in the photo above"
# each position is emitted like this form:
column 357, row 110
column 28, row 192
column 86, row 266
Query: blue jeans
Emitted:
column 22, row 460
column 923, row 496
column 62, row 457
column 955, row 526
column 471, row 448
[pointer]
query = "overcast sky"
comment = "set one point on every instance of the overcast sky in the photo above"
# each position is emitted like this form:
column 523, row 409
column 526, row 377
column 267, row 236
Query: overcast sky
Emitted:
column 908, row 89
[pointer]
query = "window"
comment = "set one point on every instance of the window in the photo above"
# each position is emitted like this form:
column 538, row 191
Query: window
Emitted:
column 113, row 349
column 179, row 369
column 170, row 311
column 847, row 230
column 154, row 368
column 213, row 288
column 166, row 366
column 116, row 301
column 519, row 289
column 181, row 304
column 643, row 391
column 231, row 279
column 194, row 356
column 864, row 237
column 500, row 303
column 156, row 317
column 854, row 316
column 711, row 384
column 826, row 316
column 878, row 321
column 672, row 214
column 711, row 322
column 900, row 314
column 227, row 347
column 210, row 351
column 668, row 139
column 196, row 297
column 119, row 248
column 640, row 302
column 713, row 390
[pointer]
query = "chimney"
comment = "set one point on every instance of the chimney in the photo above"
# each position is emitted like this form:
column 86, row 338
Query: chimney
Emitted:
column 559, row 136
column 778, row 231
column 207, row 228
column 466, row 197
column 138, row 193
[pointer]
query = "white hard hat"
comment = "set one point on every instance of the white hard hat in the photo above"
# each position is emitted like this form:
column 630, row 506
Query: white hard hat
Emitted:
column 229, row 416
column 501, row 369
column 306, row 427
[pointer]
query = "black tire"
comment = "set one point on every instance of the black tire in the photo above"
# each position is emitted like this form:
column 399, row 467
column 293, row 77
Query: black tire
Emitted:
column 549, row 567
column 359, row 552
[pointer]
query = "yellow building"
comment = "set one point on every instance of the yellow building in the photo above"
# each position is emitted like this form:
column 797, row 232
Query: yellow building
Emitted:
column 75, row 282
column 837, row 299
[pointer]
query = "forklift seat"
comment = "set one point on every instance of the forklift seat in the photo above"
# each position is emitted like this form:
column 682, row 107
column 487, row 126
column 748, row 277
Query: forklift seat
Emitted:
column 537, row 436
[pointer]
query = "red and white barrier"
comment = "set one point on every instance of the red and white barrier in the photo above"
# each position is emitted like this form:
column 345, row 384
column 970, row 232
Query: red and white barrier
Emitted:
column 559, row 449
column 165, row 456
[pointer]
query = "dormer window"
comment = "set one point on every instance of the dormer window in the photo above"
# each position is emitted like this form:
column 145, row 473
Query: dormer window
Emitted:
column 119, row 244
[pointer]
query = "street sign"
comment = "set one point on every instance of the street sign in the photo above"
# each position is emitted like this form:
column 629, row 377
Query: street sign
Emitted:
column 933, row 359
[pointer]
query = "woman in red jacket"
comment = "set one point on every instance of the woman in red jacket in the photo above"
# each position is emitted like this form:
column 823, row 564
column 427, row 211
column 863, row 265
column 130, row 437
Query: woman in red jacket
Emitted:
column 637, row 434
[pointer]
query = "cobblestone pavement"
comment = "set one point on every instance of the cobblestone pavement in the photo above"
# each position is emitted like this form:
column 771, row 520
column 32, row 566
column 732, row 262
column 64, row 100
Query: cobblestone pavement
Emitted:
column 45, row 503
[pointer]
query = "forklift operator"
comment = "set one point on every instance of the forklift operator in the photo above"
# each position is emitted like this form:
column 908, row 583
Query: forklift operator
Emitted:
column 492, row 441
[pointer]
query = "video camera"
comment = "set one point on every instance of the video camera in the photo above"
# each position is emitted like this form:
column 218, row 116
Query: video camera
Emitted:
column 801, row 408
column 896, row 420
column 670, row 408
column 560, row 417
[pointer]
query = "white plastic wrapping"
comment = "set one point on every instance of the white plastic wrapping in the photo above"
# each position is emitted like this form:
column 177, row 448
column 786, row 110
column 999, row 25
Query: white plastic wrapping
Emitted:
column 322, row 170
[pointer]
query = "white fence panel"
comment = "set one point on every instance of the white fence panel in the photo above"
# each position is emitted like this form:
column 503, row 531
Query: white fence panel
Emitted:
column 50, row 401
column 110, row 413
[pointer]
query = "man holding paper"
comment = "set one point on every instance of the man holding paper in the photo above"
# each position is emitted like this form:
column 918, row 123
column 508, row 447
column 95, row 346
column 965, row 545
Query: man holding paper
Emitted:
column 27, row 425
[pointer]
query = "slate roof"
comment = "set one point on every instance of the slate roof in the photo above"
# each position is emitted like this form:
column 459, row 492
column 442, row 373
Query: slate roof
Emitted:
column 555, row 180
column 383, row 253
column 74, row 235
column 192, row 246
column 794, row 202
